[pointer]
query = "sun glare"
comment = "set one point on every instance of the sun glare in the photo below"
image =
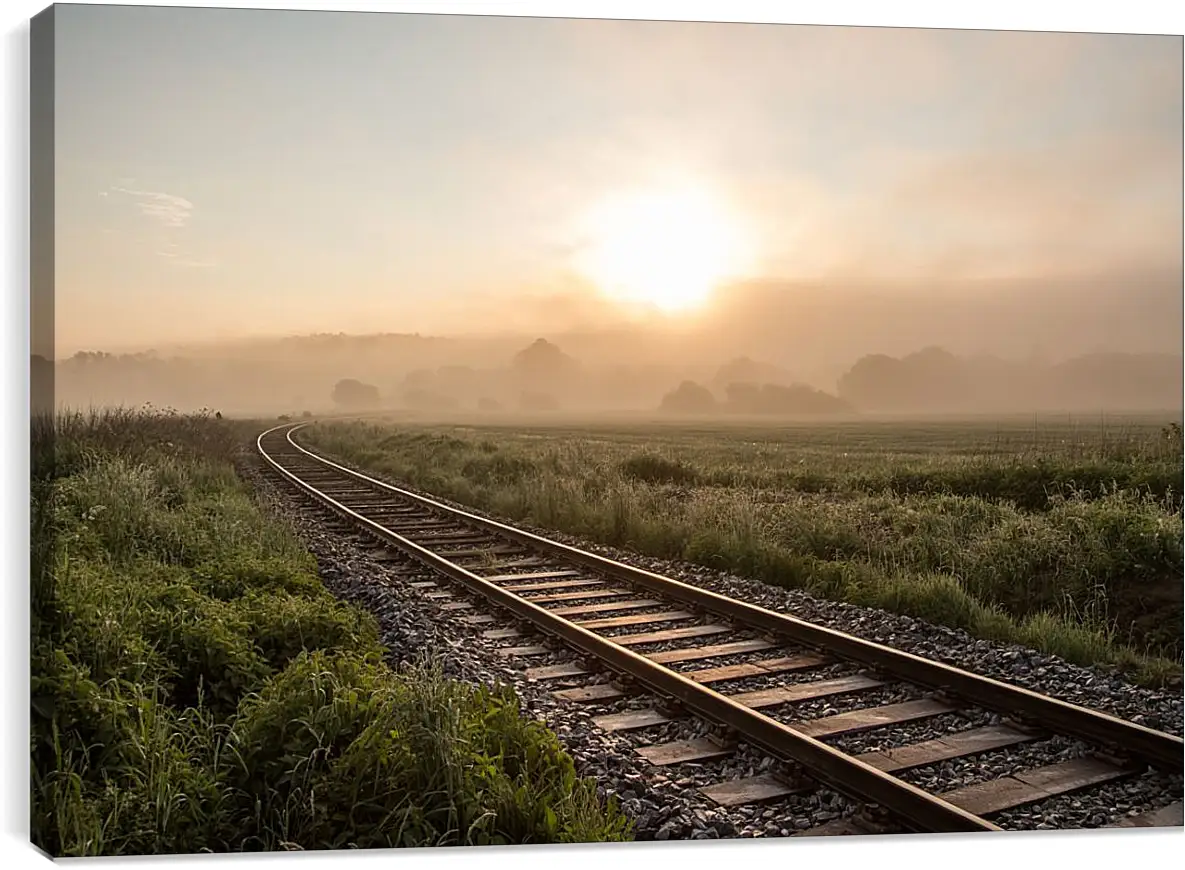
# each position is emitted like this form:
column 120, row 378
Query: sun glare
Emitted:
column 669, row 249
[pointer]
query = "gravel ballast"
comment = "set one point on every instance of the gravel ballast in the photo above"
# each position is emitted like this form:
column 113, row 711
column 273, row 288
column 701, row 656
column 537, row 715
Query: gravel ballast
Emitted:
column 664, row 801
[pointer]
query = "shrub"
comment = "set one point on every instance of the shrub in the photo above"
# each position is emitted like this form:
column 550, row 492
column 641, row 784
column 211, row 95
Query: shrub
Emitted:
column 282, row 626
column 164, row 605
column 649, row 468
column 411, row 760
column 208, row 647
column 496, row 469
column 689, row 398
column 231, row 578
column 351, row 393
column 1004, row 533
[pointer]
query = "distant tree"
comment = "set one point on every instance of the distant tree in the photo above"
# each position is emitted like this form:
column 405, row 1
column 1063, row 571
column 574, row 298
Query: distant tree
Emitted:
column 743, row 398
column 794, row 400
column 349, row 393
column 689, row 398
column 543, row 359
column 744, row 370
column 930, row 379
column 530, row 401
column 541, row 372
column 84, row 356
column 455, row 373
column 306, row 415
column 802, row 399
column 874, row 383
column 420, row 379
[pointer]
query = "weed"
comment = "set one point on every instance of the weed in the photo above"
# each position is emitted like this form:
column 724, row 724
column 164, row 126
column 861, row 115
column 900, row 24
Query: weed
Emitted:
column 1064, row 538
column 196, row 688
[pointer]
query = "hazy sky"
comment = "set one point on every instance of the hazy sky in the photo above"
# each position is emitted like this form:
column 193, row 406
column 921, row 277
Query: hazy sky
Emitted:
column 234, row 172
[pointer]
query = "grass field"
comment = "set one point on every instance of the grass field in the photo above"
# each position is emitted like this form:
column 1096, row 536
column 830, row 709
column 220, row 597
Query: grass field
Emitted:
column 196, row 688
column 1063, row 535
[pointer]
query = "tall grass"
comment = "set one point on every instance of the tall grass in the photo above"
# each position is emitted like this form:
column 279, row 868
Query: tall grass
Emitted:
column 1069, row 541
column 195, row 687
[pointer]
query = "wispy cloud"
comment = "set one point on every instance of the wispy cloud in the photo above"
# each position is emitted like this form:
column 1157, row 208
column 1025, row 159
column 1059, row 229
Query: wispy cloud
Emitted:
column 178, row 257
column 165, row 208
column 171, row 213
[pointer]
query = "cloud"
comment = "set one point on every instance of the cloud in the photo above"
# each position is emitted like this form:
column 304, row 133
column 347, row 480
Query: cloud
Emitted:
column 165, row 208
column 178, row 257
column 171, row 212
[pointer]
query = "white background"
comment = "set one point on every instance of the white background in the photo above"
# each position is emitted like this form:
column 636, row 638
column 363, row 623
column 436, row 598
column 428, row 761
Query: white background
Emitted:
column 1149, row 849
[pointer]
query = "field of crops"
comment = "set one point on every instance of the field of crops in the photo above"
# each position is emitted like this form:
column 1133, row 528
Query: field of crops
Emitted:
column 1063, row 535
column 195, row 687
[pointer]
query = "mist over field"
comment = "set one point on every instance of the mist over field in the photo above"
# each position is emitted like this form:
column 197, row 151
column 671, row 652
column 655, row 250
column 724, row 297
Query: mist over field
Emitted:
column 1086, row 345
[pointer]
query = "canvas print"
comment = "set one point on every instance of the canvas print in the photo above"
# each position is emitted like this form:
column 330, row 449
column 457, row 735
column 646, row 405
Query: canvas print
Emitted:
column 471, row 430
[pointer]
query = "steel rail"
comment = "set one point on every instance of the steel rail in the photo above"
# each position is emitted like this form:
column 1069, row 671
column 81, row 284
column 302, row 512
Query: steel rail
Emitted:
column 1156, row 748
column 915, row 807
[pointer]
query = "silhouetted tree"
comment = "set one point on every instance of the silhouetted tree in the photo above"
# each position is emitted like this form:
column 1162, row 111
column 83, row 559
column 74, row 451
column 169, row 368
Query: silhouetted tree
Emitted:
column 420, row 379
column 543, row 370
column 543, row 359
column 350, row 393
column 796, row 399
column 743, row 398
column 689, row 398
column 530, row 401
column 930, row 379
column 874, row 382
column 744, row 370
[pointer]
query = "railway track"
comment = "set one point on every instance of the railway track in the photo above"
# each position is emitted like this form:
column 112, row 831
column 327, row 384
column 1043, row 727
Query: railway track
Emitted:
column 650, row 652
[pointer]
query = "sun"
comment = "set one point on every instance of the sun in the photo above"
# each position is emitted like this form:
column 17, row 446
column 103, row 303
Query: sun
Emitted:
column 667, row 248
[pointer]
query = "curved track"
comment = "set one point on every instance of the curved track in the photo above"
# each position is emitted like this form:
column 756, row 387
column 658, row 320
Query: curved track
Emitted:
column 643, row 629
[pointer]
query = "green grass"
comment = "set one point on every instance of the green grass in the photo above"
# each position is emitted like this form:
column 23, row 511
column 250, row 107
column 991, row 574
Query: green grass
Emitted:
column 1063, row 536
column 196, row 688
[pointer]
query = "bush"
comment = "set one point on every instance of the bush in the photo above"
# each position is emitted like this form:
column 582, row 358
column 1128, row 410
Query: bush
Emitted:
column 196, row 688
column 351, row 393
column 411, row 761
column 1061, row 539
column 649, row 468
column 115, row 769
column 496, row 469
column 208, row 646
column 286, row 736
column 229, row 579
column 282, row 626
column 1035, row 486
column 689, row 398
